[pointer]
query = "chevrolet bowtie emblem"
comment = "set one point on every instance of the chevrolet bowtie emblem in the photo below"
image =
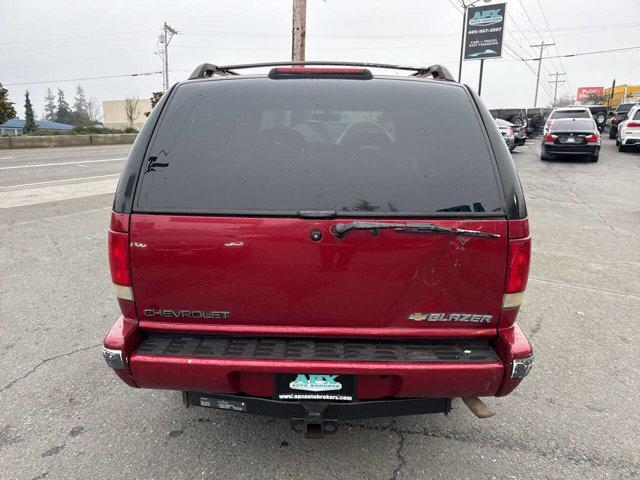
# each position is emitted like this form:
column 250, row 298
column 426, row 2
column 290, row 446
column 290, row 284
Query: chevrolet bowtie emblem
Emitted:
column 418, row 317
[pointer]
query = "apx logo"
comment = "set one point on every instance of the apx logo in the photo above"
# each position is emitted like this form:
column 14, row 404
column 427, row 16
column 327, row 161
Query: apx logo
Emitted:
column 315, row 383
column 486, row 17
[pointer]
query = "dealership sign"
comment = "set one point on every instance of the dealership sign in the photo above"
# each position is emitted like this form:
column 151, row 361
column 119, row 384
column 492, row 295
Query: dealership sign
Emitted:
column 483, row 31
column 586, row 92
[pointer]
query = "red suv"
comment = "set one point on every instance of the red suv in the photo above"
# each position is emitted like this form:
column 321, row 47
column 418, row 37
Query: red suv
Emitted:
column 320, row 243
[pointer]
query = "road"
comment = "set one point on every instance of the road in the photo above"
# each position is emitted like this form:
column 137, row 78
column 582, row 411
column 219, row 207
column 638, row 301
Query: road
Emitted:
column 65, row 415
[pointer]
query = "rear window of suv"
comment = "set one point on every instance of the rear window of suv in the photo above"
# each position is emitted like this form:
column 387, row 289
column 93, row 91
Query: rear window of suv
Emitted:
column 263, row 146
column 569, row 114
column 624, row 108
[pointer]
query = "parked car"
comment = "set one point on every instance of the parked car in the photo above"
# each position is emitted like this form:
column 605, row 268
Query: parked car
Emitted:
column 566, row 112
column 266, row 263
column 600, row 114
column 629, row 130
column 619, row 116
column 517, row 116
column 507, row 132
column 573, row 137
column 520, row 135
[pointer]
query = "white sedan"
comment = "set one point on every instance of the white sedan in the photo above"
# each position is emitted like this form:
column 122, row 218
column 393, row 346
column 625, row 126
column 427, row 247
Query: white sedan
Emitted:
column 629, row 130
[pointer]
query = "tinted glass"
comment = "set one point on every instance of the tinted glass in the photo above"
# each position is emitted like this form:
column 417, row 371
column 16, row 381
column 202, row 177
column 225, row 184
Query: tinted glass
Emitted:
column 573, row 125
column 636, row 116
column 624, row 108
column 279, row 146
column 570, row 114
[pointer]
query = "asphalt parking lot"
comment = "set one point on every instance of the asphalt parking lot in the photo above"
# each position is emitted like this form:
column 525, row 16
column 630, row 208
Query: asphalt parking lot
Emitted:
column 65, row 415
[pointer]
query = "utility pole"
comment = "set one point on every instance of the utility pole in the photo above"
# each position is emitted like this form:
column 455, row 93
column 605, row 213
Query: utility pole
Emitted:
column 542, row 46
column 556, row 81
column 299, row 30
column 163, row 52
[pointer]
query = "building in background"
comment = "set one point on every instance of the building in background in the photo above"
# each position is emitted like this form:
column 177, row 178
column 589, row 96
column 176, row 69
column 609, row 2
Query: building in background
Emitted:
column 115, row 115
column 621, row 92
column 16, row 125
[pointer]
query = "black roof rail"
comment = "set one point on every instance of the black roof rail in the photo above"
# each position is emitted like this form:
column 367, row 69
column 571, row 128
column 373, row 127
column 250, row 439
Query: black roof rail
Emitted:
column 209, row 70
column 206, row 70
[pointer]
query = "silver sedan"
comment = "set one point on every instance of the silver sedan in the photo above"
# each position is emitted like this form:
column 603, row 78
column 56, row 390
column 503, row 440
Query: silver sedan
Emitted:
column 507, row 131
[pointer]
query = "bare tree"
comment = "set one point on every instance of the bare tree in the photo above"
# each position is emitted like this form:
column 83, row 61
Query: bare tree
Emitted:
column 563, row 101
column 93, row 110
column 594, row 99
column 131, row 109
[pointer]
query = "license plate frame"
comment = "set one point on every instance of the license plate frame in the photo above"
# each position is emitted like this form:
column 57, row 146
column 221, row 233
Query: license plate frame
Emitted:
column 326, row 387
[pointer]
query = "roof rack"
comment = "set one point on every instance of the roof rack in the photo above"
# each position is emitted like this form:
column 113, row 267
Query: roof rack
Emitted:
column 207, row 70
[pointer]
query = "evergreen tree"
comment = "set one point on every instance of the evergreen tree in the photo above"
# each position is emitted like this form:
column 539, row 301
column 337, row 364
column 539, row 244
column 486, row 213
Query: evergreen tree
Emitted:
column 7, row 112
column 155, row 98
column 30, row 124
column 81, row 117
column 50, row 106
column 63, row 112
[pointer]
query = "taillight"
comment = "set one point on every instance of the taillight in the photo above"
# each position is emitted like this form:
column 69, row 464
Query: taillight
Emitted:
column 593, row 138
column 633, row 125
column 510, row 132
column 327, row 72
column 518, row 261
column 518, row 265
column 119, row 263
column 550, row 138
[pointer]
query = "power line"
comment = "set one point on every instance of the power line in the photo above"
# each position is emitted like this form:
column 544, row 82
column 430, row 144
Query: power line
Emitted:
column 142, row 74
column 555, row 46
column 48, row 40
column 51, row 47
column 579, row 54
column 579, row 30
column 538, row 33
column 533, row 72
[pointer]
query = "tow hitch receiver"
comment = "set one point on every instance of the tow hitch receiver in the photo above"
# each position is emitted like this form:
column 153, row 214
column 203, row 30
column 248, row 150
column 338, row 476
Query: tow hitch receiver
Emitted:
column 314, row 419
column 314, row 424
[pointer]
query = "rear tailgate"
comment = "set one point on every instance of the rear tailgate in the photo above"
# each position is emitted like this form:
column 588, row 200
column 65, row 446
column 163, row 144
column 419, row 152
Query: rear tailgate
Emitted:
column 268, row 272
column 217, row 239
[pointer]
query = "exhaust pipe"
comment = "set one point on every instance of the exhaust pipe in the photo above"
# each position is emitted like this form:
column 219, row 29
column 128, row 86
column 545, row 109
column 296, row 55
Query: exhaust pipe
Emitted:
column 478, row 407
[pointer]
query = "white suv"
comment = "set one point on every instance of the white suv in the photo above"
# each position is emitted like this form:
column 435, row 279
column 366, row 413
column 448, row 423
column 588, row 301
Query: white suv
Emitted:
column 629, row 130
column 576, row 111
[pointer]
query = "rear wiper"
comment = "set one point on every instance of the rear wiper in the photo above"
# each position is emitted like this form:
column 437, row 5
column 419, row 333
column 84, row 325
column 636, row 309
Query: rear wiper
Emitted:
column 341, row 229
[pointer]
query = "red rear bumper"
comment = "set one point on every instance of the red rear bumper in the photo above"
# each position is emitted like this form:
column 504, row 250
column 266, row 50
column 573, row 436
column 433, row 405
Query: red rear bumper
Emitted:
column 375, row 379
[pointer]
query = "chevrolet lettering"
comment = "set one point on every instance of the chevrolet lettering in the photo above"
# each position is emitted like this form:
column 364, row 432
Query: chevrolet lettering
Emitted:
column 149, row 312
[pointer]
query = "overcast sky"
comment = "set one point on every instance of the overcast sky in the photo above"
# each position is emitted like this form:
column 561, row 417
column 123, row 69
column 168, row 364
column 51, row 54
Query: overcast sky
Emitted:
column 50, row 41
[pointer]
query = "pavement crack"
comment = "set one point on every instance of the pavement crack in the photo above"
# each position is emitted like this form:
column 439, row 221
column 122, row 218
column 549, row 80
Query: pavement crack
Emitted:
column 592, row 459
column 601, row 217
column 45, row 361
column 401, row 460
column 586, row 287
